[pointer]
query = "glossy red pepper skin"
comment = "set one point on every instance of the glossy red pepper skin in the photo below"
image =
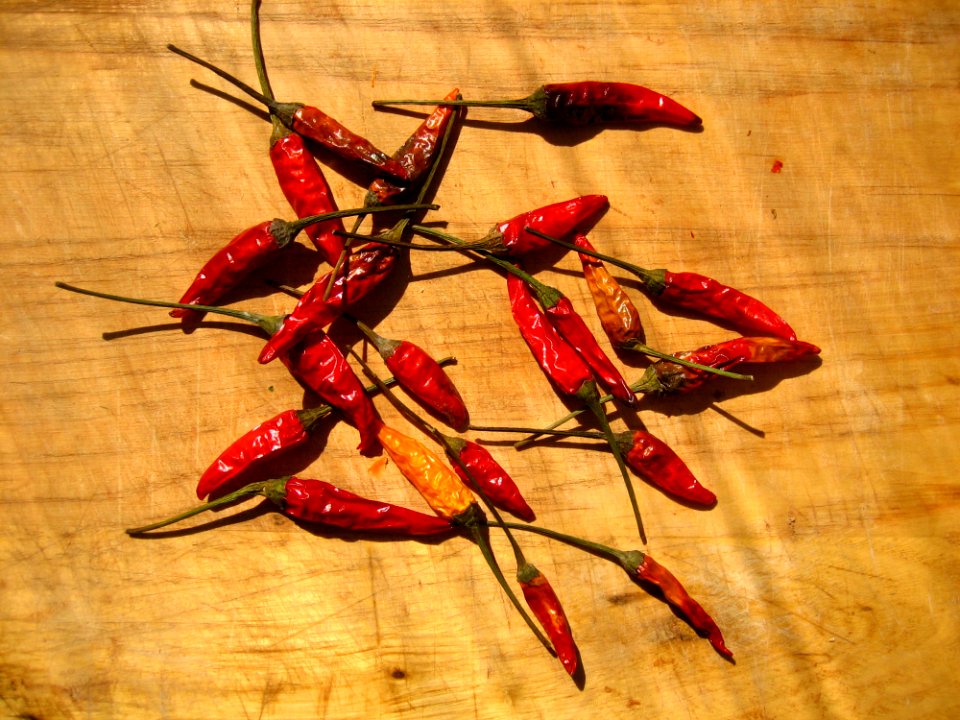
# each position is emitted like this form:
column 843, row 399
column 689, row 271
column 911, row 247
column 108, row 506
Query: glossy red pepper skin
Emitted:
column 318, row 363
column 556, row 357
column 367, row 267
column 315, row 501
column 575, row 331
column 590, row 102
column 647, row 570
column 231, row 264
column 495, row 483
column 654, row 461
column 316, row 125
column 712, row 299
column 665, row 377
column 558, row 220
column 421, row 376
column 268, row 439
column 306, row 189
column 545, row 604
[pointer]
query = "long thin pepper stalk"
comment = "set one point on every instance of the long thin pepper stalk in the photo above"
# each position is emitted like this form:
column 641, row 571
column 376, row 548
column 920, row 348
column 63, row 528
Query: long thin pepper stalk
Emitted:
column 256, row 488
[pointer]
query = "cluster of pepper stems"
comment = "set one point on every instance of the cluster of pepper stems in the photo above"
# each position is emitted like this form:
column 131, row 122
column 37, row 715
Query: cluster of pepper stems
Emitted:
column 470, row 478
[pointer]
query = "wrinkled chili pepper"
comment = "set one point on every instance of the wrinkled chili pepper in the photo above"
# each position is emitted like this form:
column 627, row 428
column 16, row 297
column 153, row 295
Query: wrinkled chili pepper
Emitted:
column 316, row 501
column 314, row 124
column 588, row 102
column 665, row 377
column 495, row 483
column 318, row 363
column 368, row 266
column 617, row 313
column 546, row 607
column 421, row 376
column 654, row 461
column 442, row 488
column 512, row 237
column 648, row 571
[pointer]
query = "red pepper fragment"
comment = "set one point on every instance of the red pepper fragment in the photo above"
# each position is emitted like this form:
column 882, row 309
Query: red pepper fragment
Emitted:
column 493, row 481
column 546, row 607
column 647, row 570
column 558, row 220
column 654, row 461
column 665, row 377
column 318, row 363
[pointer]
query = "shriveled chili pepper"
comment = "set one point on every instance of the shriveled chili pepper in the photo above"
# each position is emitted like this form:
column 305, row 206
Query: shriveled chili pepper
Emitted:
column 494, row 482
column 368, row 266
column 318, row 363
column 546, row 607
column 512, row 237
column 316, row 501
column 700, row 294
column 314, row 124
column 421, row 376
column 588, row 102
column 618, row 315
column 654, row 461
column 665, row 377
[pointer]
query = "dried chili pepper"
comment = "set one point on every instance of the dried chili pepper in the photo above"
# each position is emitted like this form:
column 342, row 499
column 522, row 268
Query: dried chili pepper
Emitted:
column 314, row 124
column 316, row 501
column 665, row 377
column 513, row 237
column 421, row 376
column 546, row 607
column 586, row 103
column 318, row 363
column 617, row 313
column 494, row 482
column 654, row 461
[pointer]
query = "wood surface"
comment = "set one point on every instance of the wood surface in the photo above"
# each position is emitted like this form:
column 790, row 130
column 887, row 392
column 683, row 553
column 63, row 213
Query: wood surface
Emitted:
column 830, row 561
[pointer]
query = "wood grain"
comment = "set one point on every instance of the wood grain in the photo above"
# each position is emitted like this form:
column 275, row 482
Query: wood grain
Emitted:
column 830, row 561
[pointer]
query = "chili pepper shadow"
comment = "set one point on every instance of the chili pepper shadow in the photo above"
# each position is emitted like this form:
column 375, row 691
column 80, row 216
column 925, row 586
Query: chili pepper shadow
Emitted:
column 318, row 530
column 239, row 326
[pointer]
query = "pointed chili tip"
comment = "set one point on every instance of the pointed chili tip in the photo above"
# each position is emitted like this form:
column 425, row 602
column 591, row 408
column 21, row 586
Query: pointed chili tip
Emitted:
column 716, row 639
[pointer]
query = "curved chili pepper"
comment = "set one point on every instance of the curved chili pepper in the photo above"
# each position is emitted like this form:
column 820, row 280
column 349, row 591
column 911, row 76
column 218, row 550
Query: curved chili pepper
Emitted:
column 368, row 266
column 617, row 313
column 422, row 377
column 546, row 607
column 495, row 483
column 648, row 571
column 306, row 189
column 319, row 502
column 559, row 220
column 654, row 461
column 588, row 102
column 665, row 377
column 318, row 363
column 443, row 490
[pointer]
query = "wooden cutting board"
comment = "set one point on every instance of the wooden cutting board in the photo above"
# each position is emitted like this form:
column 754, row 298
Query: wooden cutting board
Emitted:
column 824, row 182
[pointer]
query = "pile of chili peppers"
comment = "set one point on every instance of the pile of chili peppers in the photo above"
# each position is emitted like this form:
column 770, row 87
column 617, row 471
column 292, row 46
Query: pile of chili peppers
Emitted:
column 461, row 482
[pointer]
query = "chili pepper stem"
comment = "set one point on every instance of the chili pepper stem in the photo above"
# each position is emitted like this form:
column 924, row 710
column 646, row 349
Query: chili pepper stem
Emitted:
column 518, row 104
column 598, row 549
column 256, row 488
column 548, row 431
column 299, row 224
column 386, row 240
column 649, row 280
column 647, row 350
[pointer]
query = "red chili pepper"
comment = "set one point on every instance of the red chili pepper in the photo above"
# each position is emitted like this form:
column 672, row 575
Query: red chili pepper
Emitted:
column 315, row 501
column 422, row 377
column 665, row 377
column 558, row 220
column 647, row 570
column 588, row 102
column 654, row 461
column 545, row 604
column 308, row 193
column 318, row 363
column 367, row 267
column 494, row 482
column 617, row 313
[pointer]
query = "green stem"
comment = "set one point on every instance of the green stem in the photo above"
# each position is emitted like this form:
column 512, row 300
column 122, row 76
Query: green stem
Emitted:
column 598, row 549
column 274, row 107
column 648, row 278
column 256, row 488
column 279, row 130
column 268, row 323
column 383, row 238
column 518, row 104
column 299, row 224
column 647, row 350
column 549, row 431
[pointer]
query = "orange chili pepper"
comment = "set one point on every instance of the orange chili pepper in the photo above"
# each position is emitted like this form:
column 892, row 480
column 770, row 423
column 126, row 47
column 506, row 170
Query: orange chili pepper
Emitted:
column 618, row 315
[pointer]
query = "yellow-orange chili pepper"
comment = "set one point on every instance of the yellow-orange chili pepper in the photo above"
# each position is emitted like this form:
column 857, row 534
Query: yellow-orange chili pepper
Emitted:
column 440, row 486
column 618, row 315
